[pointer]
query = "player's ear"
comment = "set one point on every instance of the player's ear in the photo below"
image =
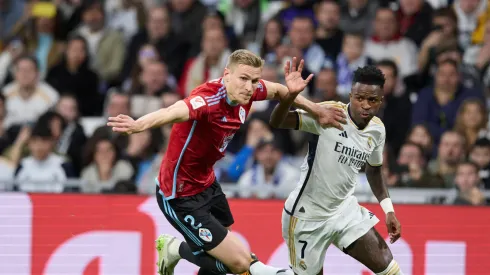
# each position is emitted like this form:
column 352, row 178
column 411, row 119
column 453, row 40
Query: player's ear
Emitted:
column 226, row 74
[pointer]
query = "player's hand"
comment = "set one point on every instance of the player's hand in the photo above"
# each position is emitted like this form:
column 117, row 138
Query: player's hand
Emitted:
column 295, row 83
column 330, row 116
column 123, row 124
column 394, row 227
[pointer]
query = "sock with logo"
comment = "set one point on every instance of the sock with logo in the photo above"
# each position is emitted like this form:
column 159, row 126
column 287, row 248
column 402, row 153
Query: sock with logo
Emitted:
column 258, row 268
column 392, row 269
column 204, row 260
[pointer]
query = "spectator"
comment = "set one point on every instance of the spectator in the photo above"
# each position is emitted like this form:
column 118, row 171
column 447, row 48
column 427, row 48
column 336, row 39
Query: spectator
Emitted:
column 351, row 58
column 215, row 19
column 444, row 31
column 412, row 169
column 117, row 104
column 142, row 149
column 106, row 47
column 469, row 74
column 5, row 140
column 420, row 135
column 273, row 35
column 257, row 132
column 157, row 32
column 467, row 182
column 296, row 8
column 328, row 33
column 480, row 155
column 302, row 36
column 42, row 170
column 12, row 12
column 186, row 17
column 153, row 84
column 437, row 106
column 14, row 49
column 248, row 17
column 269, row 177
column 73, row 138
column 42, row 39
column 357, row 15
column 326, row 86
column 386, row 43
column 471, row 121
column 27, row 97
column 479, row 54
column 467, row 12
column 125, row 16
column 209, row 64
column 396, row 108
column 73, row 75
column 415, row 17
column 451, row 151
column 104, row 168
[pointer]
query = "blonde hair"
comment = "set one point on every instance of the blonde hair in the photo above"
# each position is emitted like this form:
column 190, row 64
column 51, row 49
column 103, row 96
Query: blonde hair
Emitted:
column 244, row 57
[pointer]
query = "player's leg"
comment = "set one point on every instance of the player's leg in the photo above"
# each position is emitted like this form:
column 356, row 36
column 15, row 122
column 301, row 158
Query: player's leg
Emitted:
column 372, row 251
column 203, row 233
column 307, row 243
column 171, row 250
column 360, row 240
column 220, row 209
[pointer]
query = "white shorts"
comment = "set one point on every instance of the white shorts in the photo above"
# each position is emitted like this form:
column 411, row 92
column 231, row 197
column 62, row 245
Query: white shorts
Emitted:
column 308, row 240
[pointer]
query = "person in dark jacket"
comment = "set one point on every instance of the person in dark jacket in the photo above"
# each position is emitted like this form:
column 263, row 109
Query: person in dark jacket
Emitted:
column 73, row 75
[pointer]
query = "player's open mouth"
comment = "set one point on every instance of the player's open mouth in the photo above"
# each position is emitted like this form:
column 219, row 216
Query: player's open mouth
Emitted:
column 364, row 115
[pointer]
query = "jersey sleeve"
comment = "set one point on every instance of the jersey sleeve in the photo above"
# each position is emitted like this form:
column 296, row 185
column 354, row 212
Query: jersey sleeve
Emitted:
column 198, row 107
column 376, row 158
column 260, row 93
column 307, row 124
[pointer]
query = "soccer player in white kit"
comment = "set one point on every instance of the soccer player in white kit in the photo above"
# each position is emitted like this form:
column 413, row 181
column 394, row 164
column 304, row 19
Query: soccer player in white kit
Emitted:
column 322, row 209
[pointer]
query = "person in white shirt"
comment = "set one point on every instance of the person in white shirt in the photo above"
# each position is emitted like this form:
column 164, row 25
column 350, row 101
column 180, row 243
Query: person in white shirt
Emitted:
column 322, row 209
column 271, row 177
column 27, row 97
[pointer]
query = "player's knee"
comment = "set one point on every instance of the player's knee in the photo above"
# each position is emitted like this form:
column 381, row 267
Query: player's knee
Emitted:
column 240, row 263
column 386, row 257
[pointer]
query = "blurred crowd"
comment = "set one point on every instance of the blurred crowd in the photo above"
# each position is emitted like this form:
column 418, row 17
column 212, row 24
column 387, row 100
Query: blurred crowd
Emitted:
column 66, row 65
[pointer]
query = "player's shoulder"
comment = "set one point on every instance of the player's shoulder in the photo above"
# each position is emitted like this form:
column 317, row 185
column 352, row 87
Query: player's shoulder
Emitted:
column 377, row 126
column 210, row 88
column 208, row 93
column 332, row 103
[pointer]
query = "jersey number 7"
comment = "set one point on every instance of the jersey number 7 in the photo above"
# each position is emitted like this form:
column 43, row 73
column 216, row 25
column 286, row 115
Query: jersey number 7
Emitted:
column 305, row 243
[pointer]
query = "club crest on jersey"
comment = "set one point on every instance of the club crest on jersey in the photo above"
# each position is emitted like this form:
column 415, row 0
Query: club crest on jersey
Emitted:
column 242, row 114
column 370, row 142
column 197, row 102
column 205, row 235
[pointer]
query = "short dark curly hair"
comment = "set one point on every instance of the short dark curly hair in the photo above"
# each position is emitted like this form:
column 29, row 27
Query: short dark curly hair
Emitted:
column 369, row 75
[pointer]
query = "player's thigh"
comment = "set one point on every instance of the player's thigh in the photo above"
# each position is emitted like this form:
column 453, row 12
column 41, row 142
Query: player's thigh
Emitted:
column 360, row 240
column 307, row 243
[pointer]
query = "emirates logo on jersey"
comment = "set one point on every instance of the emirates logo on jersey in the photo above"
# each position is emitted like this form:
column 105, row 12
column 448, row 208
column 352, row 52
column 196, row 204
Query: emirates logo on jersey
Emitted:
column 242, row 114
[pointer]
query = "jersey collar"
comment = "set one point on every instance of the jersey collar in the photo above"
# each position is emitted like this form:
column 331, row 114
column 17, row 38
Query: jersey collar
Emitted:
column 227, row 98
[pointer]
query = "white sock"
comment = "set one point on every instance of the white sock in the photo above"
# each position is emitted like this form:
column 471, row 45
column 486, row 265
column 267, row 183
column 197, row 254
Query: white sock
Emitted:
column 258, row 268
column 392, row 269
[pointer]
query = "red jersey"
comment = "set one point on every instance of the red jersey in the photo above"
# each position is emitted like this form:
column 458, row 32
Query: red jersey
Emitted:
column 197, row 144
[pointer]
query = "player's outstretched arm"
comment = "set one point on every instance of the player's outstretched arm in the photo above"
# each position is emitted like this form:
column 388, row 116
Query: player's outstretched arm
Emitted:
column 281, row 117
column 375, row 179
column 178, row 112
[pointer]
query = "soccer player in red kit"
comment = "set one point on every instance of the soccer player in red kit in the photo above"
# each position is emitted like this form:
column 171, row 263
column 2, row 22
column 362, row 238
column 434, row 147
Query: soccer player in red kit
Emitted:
column 187, row 191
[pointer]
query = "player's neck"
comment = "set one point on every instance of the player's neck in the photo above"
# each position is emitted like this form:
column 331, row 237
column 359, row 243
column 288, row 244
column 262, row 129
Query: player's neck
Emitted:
column 230, row 101
column 359, row 124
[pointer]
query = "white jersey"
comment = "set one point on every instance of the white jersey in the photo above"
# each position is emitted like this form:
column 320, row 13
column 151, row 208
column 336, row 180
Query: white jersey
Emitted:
column 330, row 170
